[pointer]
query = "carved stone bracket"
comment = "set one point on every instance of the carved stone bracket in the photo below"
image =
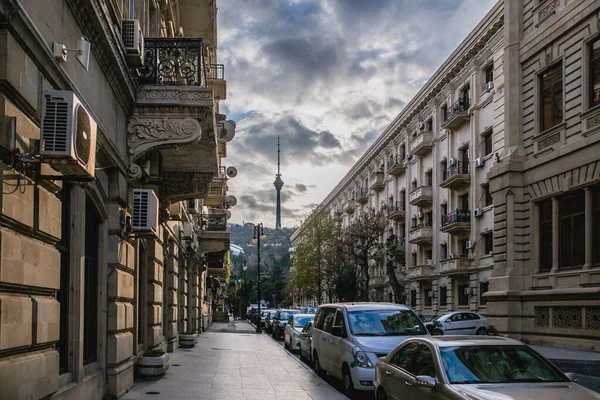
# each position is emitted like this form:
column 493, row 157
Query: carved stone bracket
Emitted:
column 211, row 246
column 179, row 186
column 148, row 134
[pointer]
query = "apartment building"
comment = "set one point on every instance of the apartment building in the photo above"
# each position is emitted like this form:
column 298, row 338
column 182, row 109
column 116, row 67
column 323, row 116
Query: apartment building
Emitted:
column 490, row 178
column 113, row 231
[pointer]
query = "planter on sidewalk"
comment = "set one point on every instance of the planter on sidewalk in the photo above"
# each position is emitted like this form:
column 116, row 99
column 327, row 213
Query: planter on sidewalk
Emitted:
column 152, row 364
column 188, row 339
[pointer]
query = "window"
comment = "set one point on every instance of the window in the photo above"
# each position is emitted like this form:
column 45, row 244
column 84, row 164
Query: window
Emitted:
column 596, row 225
column 463, row 297
column 487, row 243
column 428, row 218
column 545, row 235
column 464, row 158
column 402, row 154
column 428, row 296
column 90, row 293
column 63, row 293
column 444, row 209
column 414, row 259
column 429, row 178
column 572, row 230
column 429, row 125
column 328, row 319
column 464, row 252
column 339, row 320
column 404, row 357
column 551, row 97
column 464, row 201
column 483, row 288
column 489, row 73
column 487, row 142
column 423, row 363
column 595, row 73
column 444, row 111
column 465, row 96
column 413, row 297
column 429, row 254
column 443, row 296
column 487, row 196
column 414, row 184
column 320, row 317
column 443, row 251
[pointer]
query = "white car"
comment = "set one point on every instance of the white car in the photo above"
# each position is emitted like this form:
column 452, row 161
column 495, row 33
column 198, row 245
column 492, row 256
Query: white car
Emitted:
column 306, row 342
column 348, row 339
column 293, row 330
column 458, row 323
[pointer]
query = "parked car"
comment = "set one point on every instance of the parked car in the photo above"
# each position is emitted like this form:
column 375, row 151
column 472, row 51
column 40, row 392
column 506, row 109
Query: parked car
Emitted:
column 472, row 368
column 269, row 321
column 458, row 323
column 263, row 316
column 348, row 339
column 306, row 342
column 280, row 320
column 291, row 333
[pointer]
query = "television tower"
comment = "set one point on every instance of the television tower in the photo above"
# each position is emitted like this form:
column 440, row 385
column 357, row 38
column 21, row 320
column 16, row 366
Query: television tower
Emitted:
column 278, row 185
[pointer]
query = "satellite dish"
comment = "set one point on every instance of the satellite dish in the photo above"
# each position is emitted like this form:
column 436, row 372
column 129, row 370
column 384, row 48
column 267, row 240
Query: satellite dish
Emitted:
column 231, row 201
column 231, row 172
column 228, row 214
column 229, row 128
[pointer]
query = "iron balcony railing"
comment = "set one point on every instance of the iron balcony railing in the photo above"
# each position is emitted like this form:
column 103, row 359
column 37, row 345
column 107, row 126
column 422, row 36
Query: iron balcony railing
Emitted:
column 222, row 172
column 215, row 72
column 217, row 188
column 421, row 224
column 456, row 216
column 396, row 160
column 213, row 221
column 397, row 206
column 173, row 61
column 460, row 168
column 361, row 192
column 457, row 107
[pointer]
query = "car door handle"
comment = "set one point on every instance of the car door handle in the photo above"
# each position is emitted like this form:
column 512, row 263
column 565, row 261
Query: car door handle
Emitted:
column 388, row 372
column 407, row 383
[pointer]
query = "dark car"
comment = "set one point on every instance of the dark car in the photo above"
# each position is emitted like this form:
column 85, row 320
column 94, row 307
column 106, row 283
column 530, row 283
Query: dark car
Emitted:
column 269, row 321
column 280, row 320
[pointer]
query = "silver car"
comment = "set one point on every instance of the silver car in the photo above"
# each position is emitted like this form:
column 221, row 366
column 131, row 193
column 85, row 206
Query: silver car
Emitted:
column 471, row 368
column 306, row 342
column 293, row 329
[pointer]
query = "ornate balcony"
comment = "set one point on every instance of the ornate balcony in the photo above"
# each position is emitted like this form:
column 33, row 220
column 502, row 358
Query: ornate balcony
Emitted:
column 397, row 210
column 456, row 176
column 421, row 234
column 456, row 115
column 376, row 281
column 421, row 196
column 215, row 79
column 420, row 272
column 457, row 222
column 216, row 263
column 422, row 143
column 213, row 235
column 362, row 196
column 377, row 182
column 457, row 266
column 349, row 208
column 396, row 166
column 216, row 193
column 174, row 118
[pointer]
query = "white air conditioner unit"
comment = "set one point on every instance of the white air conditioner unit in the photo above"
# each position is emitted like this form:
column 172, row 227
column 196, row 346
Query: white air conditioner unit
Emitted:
column 467, row 290
column 489, row 86
column 477, row 212
column 452, row 161
column 479, row 162
column 452, row 255
column 469, row 245
column 420, row 215
column 145, row 212
column 68, row 134
column 133, row 40
column 429, row 263
column 188, row 230
column 193, row 206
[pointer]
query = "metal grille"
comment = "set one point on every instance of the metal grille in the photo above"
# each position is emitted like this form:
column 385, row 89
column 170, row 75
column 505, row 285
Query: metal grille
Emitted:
column 173, row 61
column 55, row 126
column 128, row 33
column 140, row 209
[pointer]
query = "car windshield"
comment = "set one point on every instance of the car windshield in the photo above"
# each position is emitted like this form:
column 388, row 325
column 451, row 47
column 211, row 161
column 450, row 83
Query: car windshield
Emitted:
column 385, row 322
column 311, row 310
column 300, row 322
column 497, row 364
column 285, row 315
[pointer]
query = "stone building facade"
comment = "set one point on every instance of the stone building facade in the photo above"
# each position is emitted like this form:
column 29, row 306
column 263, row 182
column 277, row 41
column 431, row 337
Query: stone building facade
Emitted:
column 102, row 262
column 490, row 180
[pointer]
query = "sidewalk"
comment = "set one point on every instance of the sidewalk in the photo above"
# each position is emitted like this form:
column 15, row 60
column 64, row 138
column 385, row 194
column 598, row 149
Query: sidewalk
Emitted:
column 586, row 364
column 232, row 362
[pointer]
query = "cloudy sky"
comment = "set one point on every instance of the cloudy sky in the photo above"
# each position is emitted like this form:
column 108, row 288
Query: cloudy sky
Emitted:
column 327, row 76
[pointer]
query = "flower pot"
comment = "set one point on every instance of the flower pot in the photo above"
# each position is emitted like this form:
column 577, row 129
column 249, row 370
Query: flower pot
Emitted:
column 188, row 339
column 152, row 367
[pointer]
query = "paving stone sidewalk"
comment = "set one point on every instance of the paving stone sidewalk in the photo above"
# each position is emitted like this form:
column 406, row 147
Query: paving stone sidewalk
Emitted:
column 232, row 362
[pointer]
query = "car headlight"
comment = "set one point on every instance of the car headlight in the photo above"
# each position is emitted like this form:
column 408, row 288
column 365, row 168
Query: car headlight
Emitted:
column 361, row 359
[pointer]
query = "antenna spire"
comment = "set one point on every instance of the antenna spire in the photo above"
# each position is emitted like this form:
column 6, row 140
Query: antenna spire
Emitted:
column 278, row 151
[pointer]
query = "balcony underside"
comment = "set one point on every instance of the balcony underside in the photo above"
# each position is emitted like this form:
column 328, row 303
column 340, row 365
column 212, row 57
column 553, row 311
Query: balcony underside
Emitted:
column 456, row 120
column 421, row 149
column 396, row 170
column 396, row 215
column 456, row 181
column 219, row 87
column 420, row 272
column 349, row 210
column 422, row 200
column 378, row 186
column 455, row 266
column 362, row 199
column 376, row 282
column 457, row 228
column 213, row 241
column 421, row 236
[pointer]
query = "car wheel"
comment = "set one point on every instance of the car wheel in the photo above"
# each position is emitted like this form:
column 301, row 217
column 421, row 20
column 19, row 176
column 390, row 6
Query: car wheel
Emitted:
column 273, row 334
column 481, row 331
column 317, row 366
column 347, row 381
column 381, row 395
column 438, row 332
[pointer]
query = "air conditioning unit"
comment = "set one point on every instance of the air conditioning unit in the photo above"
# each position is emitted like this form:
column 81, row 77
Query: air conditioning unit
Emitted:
column 479, row 162
column 469, row 245
column 382, row 272
column 188, row 230
column 193, row 206
column 452, row 162
column 477, row 212
column 452, row 255
column 133, row 40
column 145, row 212
column 429, row 263
column 467, row 290
column 68, row 134
column 489, row 86
column 419, row 215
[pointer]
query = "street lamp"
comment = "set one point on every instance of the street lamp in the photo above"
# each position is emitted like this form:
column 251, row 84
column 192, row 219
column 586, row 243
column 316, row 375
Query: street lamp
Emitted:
column 245, row 291
column 259, row 234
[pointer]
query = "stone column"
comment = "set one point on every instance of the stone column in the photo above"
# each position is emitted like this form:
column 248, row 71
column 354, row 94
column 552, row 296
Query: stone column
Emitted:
column 171, row 290
column 155, row 336
column 588, row 228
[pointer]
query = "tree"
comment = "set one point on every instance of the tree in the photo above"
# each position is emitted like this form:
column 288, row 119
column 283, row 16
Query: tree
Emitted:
column 394, row 257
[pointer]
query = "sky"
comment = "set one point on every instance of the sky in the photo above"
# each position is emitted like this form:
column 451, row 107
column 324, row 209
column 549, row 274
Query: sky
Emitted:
column 327, row 76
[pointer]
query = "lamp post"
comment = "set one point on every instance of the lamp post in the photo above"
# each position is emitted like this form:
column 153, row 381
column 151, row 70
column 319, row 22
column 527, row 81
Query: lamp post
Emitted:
column 245, row 292
column 259, row 234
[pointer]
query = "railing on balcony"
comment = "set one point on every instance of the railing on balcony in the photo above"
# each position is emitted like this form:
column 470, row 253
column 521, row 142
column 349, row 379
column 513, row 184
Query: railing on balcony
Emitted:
column 397, row 206
column 456, row 216
column 215, row 72
column 396, row 160
column 213, row 221
column 217, row 188
column 460, row 168
column 173, row 61
column 458, row 107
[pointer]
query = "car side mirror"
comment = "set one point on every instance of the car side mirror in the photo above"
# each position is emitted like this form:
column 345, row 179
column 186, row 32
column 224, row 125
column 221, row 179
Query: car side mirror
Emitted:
column 572, row 376
column 425, row 381
column 338, row 331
